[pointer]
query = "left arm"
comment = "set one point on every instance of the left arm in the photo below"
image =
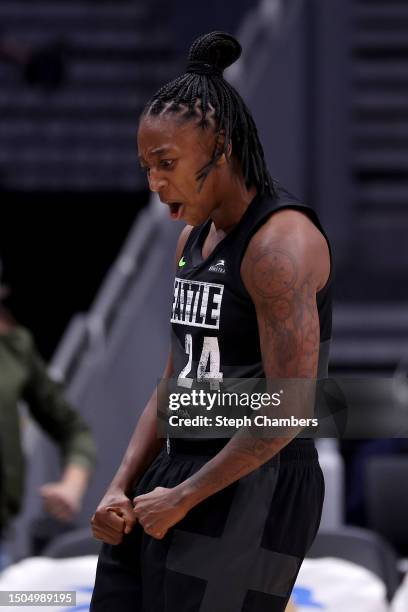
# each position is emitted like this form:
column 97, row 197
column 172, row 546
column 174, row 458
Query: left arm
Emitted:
column 282, row 280
column 47, row 404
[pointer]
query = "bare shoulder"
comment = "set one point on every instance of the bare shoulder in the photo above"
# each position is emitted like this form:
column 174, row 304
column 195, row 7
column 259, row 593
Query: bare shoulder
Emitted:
column 282, row 270
column 181, row 243
column 285, row 250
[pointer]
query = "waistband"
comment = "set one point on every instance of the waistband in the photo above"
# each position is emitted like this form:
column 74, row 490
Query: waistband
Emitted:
column 300, row 449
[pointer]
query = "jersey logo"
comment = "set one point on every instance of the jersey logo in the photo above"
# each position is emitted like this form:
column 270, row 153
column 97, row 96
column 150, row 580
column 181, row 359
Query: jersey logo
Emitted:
column 218, row 267
column 182, row 262
column 197, row 303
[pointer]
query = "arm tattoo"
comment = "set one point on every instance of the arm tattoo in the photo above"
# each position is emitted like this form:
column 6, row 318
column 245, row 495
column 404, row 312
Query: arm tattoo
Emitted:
column 285, row 300
column 288, row 314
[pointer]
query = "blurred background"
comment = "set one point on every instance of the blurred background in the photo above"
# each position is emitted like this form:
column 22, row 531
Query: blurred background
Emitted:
column 87, row 251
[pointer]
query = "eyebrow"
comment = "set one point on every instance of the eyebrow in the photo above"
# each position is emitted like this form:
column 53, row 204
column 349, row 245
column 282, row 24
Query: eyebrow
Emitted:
column 157, row 151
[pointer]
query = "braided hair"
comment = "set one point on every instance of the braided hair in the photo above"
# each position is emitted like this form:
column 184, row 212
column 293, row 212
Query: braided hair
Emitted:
column 201, row 92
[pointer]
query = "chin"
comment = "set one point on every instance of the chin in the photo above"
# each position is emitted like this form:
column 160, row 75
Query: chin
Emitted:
column 191, row 220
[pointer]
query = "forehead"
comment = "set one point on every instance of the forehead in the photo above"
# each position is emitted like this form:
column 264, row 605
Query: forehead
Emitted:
column 167, row 131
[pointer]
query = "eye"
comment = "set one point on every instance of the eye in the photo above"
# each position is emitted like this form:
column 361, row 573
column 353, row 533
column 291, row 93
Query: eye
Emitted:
column 163, row 163
column 166, row 163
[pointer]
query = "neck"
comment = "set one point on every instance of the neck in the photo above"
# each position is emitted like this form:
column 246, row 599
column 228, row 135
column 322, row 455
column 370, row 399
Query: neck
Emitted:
column 232, row 206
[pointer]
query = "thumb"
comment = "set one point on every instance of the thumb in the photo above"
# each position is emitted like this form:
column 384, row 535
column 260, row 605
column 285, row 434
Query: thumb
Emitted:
column 127, row 516
column 131, row 519
column 128, row 528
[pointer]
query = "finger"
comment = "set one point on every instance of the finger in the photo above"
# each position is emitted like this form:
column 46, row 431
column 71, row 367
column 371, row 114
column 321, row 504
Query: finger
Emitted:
column 116, row 509
column 112, row 517
column 130, row 521
column 103, row 534
column 143, row 520
column 108, row 526
column 151, row 528
column 139, row 512
column 123, row 513
column 127, row 515
column 156, row 533
column 114, row 536
column 110, row 531
column 129, row 524
column 108, row 538
column 140, row 498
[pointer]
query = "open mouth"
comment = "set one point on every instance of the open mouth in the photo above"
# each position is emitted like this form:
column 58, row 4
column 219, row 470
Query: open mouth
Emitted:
column 176, row 209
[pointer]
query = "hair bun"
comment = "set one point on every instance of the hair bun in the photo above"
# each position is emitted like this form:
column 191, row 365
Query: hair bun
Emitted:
column 218, row 49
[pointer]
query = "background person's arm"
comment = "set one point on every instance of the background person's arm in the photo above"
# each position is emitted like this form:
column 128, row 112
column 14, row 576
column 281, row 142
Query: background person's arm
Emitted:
column 57, row 417
column 62, row 499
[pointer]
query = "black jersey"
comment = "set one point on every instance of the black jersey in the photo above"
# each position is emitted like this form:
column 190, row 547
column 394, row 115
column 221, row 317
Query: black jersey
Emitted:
column 241, row 548
column 214, row 325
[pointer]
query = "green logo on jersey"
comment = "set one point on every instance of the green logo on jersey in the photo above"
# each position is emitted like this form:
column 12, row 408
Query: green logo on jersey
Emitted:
column 182, row 262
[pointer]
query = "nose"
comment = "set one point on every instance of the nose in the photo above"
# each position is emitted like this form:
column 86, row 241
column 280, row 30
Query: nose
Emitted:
column 156, row 182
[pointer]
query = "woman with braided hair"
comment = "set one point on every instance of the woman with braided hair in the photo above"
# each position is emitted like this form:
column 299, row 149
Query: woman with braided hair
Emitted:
column 220, row 525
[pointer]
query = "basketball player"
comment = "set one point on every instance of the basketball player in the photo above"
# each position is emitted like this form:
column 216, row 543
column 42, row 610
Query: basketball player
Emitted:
column 221, row 525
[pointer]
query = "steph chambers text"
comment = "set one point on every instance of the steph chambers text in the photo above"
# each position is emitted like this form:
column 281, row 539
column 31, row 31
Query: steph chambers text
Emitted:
column 238, row 422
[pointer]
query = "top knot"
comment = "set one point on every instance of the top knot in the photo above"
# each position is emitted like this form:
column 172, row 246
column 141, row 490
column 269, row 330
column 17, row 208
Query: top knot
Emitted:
column 203, row 68
column 212, row 53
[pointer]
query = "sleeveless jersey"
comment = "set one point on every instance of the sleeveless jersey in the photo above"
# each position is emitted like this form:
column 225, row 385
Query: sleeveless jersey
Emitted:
column 214, row 325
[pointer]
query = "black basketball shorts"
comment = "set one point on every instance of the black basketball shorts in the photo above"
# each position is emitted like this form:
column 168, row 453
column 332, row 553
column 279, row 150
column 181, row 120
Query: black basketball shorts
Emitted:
column 239, row 550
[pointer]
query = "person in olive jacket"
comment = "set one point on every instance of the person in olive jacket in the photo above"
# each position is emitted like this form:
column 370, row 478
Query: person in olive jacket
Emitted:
column 23, row 376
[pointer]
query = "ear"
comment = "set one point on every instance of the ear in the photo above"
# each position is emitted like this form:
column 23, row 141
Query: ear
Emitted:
column 226, row 155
